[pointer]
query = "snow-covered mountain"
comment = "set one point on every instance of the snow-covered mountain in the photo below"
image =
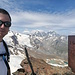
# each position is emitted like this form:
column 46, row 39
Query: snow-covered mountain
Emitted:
column 14, row 38
column 49, row 43
column 16, row 42
column 43, row 45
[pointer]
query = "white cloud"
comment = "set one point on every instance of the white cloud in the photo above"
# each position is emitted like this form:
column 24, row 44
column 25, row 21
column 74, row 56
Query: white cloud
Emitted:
column 33, row 19
column 22, row 19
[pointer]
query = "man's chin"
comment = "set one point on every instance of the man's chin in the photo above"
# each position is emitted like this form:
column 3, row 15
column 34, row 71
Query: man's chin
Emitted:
column 1, row 35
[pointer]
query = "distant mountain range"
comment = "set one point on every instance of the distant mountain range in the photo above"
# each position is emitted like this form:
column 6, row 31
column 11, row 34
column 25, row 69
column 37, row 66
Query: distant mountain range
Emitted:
column 39, row 42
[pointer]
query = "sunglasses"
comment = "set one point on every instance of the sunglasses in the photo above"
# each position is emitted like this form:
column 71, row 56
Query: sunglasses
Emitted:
column 6, row 23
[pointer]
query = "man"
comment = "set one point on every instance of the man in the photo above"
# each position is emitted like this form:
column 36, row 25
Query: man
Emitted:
column 5, row 23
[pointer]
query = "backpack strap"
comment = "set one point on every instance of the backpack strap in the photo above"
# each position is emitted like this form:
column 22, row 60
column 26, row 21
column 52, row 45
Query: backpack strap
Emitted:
column 8, row 67
column 3, row 54
column 6, row 48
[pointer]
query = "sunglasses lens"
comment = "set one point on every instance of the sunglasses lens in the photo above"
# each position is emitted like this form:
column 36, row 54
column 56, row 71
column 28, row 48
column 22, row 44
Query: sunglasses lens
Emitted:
column 7, row 24
column 0, row 22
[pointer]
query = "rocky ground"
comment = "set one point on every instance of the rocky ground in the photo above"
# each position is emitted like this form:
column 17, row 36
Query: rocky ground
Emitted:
column 41, row 68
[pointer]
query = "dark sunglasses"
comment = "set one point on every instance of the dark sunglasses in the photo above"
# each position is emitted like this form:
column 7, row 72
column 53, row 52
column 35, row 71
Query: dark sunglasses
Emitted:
column 6, row 23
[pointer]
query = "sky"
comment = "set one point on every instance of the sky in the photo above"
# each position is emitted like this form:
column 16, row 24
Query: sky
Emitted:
column 43, row 15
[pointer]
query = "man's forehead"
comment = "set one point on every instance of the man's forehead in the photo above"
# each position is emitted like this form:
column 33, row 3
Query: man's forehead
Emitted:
column 4, row 17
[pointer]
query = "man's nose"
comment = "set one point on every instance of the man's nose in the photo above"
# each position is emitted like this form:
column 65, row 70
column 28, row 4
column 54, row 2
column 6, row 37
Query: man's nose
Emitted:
column 2, row 26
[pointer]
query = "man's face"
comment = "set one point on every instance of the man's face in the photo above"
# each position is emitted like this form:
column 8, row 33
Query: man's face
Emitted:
column 4, row 30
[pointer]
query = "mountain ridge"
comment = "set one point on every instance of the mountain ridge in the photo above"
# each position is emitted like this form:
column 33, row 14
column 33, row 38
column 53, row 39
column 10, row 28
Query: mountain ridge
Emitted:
column 49, row 43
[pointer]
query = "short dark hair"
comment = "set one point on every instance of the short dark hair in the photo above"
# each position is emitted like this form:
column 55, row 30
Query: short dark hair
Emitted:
column 3, row 11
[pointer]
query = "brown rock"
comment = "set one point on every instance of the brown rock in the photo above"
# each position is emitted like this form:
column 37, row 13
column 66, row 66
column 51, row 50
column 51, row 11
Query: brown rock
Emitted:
column 41, row 68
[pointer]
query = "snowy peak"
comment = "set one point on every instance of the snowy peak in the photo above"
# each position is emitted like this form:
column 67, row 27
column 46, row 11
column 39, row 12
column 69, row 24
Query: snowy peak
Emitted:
column 14, row 38
column 48, row 35
column 42, row 33
column 39, row 33
column 40, row 41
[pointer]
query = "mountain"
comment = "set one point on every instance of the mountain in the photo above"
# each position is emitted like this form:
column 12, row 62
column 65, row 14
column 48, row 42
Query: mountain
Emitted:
column 40, row 43
column 40, row 67
column 16, row 42
column 50, row 43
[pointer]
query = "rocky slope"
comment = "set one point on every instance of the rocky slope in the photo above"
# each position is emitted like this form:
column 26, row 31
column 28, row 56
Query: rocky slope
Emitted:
column 50, row 43
column 45, row 43
column 41, row 68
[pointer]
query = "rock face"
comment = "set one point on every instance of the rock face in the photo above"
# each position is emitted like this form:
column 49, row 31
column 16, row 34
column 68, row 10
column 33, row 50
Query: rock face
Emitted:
column 41, row 68
column 71, row 52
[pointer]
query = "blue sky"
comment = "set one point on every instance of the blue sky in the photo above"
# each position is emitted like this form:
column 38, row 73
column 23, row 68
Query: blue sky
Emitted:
column 45, row 15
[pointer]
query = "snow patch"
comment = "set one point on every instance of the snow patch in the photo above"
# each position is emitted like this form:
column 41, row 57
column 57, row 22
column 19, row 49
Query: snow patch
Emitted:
column 15, row 61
